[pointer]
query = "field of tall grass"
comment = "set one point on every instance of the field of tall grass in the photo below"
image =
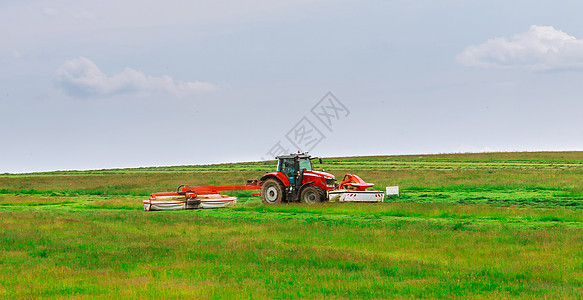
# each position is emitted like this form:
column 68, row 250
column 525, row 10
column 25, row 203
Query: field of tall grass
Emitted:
column 503, row 225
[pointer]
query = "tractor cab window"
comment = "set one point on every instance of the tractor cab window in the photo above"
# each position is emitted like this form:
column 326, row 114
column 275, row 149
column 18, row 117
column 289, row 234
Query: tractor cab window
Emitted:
column 286, row 166
column 305, row 164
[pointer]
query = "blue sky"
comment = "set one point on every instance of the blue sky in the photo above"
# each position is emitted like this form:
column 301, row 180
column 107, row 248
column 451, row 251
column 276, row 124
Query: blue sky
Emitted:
column 104, row 84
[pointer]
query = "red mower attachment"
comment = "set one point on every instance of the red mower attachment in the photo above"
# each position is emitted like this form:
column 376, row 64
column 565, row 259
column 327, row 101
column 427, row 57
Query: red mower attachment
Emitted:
column 353, row 189
column 353, row 182
column 192, row 197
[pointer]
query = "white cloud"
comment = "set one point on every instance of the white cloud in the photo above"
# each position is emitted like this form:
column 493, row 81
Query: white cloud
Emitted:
column 82, row 78
column 540, row 48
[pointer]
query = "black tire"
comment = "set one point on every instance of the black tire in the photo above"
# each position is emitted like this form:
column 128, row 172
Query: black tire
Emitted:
column 272, row 192
column 312, row 195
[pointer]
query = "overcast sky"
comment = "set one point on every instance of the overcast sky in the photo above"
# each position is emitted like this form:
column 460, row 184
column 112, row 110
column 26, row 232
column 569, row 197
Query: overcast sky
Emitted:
column 106, row 84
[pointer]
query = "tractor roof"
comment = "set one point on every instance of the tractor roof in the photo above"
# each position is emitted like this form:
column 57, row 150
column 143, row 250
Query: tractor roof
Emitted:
column 294, row 155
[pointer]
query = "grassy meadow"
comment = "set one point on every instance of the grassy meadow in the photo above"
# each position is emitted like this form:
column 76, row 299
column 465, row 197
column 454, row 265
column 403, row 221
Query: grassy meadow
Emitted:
column 503, row 225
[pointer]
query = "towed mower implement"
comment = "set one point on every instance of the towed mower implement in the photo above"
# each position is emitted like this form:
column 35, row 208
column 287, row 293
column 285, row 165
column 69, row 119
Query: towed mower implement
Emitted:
column 191, row 197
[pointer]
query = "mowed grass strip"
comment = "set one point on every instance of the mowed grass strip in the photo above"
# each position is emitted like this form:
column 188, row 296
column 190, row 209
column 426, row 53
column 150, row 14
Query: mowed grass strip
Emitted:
column 223, row 253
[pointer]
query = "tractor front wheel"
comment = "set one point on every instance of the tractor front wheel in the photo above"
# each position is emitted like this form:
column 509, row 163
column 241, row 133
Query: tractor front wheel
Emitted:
column 271, row 192
column 311, row 195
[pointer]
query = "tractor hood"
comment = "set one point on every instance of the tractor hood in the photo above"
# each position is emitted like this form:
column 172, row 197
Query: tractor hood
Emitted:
column 319, row 174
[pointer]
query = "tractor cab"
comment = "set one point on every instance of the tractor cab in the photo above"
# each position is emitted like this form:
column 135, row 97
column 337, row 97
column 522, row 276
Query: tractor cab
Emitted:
column 293, row 166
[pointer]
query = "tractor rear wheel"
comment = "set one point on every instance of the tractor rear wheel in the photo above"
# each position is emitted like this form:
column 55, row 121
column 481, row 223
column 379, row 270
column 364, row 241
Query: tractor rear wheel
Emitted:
column 271, row 192
column 312, row 194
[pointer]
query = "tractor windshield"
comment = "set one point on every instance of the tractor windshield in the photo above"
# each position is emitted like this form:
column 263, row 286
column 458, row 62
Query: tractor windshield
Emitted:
column 305, row 164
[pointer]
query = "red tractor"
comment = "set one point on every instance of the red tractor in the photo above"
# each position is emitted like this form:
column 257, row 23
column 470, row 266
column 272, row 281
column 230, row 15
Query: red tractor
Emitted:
column 295, row 181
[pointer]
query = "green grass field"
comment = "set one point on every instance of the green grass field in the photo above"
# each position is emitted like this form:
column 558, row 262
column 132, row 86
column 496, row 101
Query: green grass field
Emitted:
column 502, row 225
